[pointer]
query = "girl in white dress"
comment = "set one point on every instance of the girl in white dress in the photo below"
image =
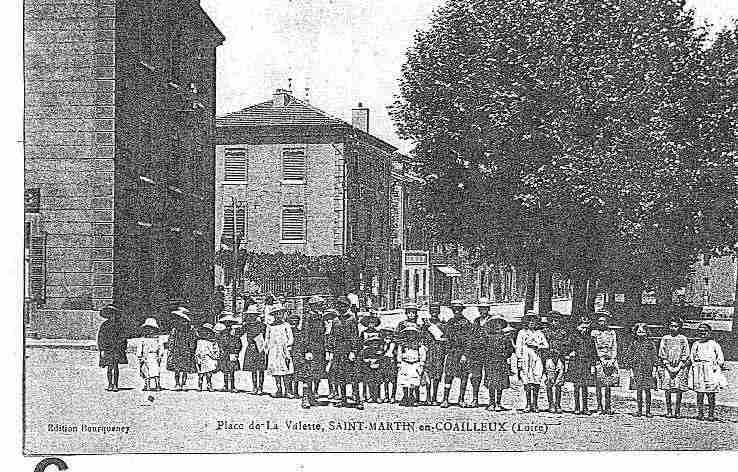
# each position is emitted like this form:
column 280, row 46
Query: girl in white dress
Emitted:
column 528, row 346
column 278, row 344
column 150, row 351
column 706, row 376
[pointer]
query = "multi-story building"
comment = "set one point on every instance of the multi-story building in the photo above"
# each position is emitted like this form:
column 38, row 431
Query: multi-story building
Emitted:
column 712, row 282
column 306, row 182
column 119, row 169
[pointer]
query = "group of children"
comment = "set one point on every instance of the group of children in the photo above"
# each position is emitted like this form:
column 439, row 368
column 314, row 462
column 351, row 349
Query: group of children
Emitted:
column 335, row 346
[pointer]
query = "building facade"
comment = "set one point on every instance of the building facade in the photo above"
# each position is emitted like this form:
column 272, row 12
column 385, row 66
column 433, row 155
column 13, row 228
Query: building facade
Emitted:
column 713, row 282
column 119, row 159
column 293, row 179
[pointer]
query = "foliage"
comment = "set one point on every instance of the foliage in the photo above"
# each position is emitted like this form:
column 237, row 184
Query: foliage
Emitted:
column 582, row 134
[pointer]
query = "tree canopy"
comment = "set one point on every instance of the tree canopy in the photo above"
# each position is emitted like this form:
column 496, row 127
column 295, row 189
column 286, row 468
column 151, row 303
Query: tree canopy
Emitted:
column 594, row 136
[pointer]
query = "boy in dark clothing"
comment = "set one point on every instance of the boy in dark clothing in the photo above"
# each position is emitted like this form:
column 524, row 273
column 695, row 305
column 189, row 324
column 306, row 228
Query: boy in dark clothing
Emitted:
column 370, row 357
column 343, row 345
column 308, row 352
column 554, row 359
column 434, row 336
column 458, row 330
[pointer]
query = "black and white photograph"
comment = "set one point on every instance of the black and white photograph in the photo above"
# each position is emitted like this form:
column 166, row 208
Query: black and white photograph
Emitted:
column 411, row 226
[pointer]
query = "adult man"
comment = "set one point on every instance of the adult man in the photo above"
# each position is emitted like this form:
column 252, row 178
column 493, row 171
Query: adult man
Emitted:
column 458, row 330
column 343, row 345
column 309, row 349
column 477, row 351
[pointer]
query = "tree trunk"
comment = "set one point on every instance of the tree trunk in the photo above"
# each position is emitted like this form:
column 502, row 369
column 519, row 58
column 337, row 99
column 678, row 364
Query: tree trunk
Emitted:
column 530, row 288
column 578, row 293
column 591, row 295
column 545, row 291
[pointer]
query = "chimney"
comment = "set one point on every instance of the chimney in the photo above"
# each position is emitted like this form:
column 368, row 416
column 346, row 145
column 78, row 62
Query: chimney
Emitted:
column 281, row 98
column 360, row 118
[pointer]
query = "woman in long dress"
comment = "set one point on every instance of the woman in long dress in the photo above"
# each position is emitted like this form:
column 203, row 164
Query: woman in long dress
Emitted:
column 706, row 376
column 278, row 345
column 528, row 346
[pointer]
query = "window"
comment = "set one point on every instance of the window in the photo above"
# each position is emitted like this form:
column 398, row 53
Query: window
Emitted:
column 293, row 223
column 228, row 222
column 32, row 200
column 293, row 164
column 235, row 165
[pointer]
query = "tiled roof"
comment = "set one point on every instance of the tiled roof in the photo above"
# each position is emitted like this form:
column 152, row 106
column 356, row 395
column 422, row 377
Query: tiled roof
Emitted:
column 295, row 113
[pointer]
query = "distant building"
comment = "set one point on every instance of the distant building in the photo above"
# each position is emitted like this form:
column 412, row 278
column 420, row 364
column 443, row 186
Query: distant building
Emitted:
column 713, row 282
column 306, row 182
column 119, row 159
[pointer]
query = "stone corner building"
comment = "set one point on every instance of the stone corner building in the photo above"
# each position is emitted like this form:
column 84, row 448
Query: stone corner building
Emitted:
column 119, row 159
column 308, row 183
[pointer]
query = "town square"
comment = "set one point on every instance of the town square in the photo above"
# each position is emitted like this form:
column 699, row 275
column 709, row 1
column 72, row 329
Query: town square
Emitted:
column 336, row 226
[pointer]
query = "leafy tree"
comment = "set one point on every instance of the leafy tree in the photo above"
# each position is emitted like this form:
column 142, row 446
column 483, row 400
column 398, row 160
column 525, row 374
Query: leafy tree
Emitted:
column 570, row 135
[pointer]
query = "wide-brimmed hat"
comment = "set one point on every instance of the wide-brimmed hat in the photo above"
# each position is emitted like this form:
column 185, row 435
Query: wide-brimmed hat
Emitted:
column 330, row 315
column 456, row 304
column 277, row 308
column 602, row 314
column 219, row 327
column 109, row 311
column 500, row 320
column 253, row 310
column 207, row 326
column 228, row 318
column 182, row 312
column 316, row 299
column 530, row 316
column 150, row 323
column 370, row 320
column 411, row 306
column 343, row 300
column 484, row 302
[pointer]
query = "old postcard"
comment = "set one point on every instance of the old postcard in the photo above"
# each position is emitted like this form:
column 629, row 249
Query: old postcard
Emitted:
column 379, row 226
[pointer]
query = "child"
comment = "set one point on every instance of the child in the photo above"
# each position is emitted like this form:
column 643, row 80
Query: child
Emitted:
column 230, row 346
column 254, row 358
column 607, row 371
column 343, row 346
column 434, row 331
column 558, row 340
column 641, row 357
column 411, row 356
column 309, row 348
column 370, row 357
column 497, row 367
column 528, row 346
column 111, row 342
column 181, row 347
column 582, row 357
column 674, row 360
column 207, row 355
column 706, row 374
column 294, row 320
column 150, row 351
column 330, row 317
column 278, row 343
column 458, row 331
column 388, row 366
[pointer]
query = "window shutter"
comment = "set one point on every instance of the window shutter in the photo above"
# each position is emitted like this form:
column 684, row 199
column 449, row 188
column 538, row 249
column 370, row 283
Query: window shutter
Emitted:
column 228, row 222
column 37, row 268
column 293, row 164
column 235, row 164
column 293, row 223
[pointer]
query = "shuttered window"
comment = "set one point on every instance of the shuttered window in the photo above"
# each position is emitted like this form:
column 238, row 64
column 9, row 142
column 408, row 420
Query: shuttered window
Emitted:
column 293, row 223
column 37, row 267
column 228, row 222
column 235, row 164
column 293, row 164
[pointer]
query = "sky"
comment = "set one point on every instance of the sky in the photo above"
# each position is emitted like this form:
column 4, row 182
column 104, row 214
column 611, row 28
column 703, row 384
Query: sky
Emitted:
column 344, row 51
